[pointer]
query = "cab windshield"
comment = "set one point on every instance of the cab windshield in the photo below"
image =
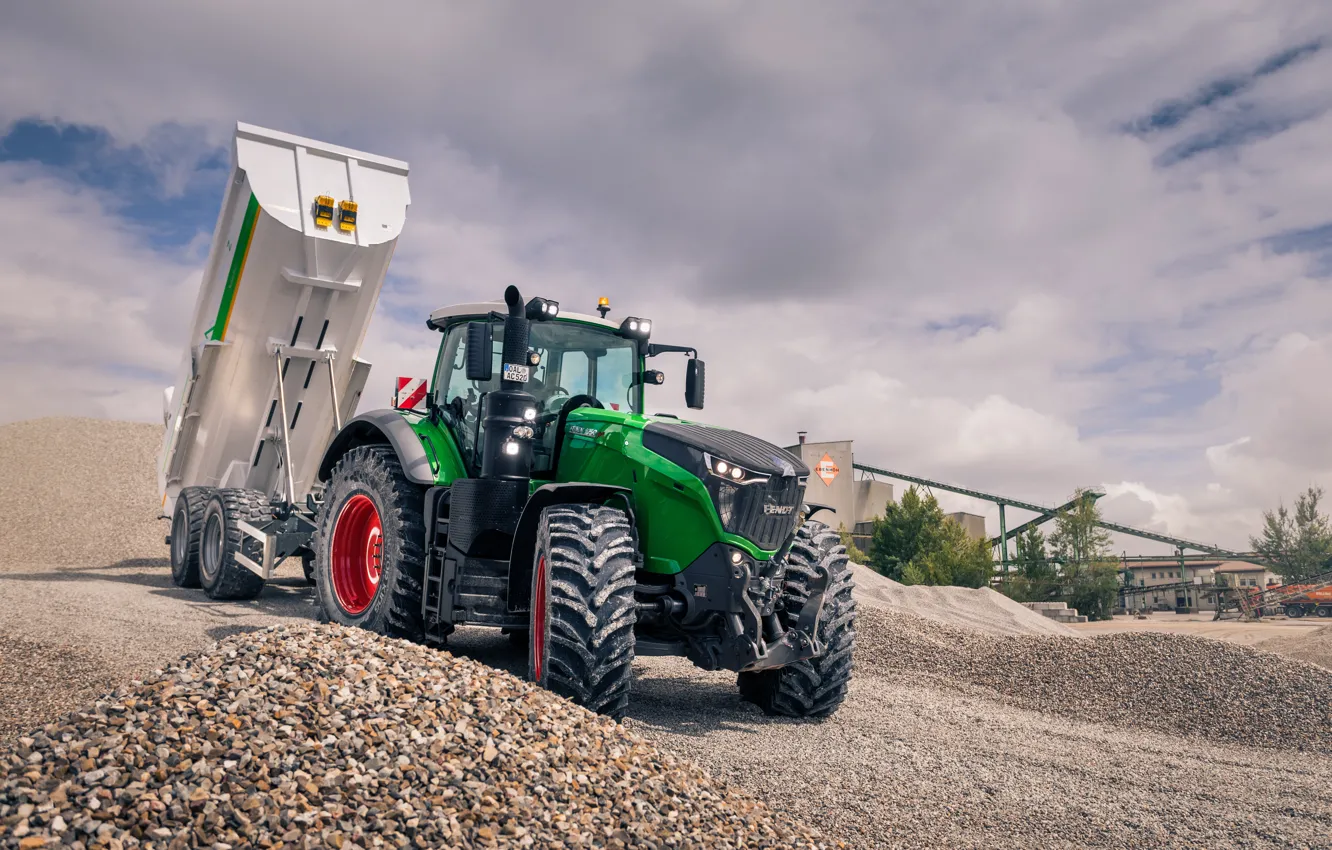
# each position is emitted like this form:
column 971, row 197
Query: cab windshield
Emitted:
column 576, row 359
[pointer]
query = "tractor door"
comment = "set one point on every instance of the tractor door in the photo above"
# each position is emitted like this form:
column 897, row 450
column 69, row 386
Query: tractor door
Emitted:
column 459, row 399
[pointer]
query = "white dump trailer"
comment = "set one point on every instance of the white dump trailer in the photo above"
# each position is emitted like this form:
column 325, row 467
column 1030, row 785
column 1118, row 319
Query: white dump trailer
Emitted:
column 270, row 372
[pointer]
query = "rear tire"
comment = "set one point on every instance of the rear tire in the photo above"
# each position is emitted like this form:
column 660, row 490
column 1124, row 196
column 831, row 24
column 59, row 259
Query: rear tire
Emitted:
column 369, row 545
column 581, row 643
column 222, row 576
column 1294, row 611
column 1324, row 611
column 816, row 686
column 186, row 530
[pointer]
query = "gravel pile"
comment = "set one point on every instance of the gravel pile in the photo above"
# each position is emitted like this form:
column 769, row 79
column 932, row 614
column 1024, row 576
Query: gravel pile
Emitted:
column 1314, row 647
column 1190, row 686
column 322, row 736
column 981, row 609
column 78, row 491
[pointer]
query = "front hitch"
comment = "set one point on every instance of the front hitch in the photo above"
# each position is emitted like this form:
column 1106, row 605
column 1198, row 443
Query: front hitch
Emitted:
column 729, row 619
column 801, row 641
column 748, row 648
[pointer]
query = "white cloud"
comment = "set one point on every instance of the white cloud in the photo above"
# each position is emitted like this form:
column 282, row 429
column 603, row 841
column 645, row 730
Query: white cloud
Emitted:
column 90, row 315
column 922, row 229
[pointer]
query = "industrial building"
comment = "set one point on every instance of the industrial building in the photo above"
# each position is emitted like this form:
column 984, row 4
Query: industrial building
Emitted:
column 1173, row 580
column 854, row 502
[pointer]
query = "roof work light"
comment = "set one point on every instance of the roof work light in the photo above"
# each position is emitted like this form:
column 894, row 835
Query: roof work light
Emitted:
column 636, row 328
column 541, row 309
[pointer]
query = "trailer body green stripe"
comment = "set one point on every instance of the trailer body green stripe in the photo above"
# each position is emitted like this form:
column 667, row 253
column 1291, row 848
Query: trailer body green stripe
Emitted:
column 219, row 329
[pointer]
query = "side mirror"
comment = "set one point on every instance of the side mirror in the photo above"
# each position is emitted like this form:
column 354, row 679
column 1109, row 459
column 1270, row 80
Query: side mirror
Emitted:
column 480, row 351
column 694, row 381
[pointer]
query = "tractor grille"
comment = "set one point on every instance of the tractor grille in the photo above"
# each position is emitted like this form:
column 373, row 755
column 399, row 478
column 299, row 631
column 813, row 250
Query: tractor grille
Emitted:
column 764, row 513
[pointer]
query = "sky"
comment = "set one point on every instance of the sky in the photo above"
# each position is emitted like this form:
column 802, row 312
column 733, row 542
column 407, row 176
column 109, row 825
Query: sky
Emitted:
column 1022, row 247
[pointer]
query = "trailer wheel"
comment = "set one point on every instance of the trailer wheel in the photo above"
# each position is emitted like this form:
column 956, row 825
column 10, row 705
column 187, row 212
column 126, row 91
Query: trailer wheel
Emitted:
column 369, row 545
column 816, row 686
column 186, row 529
column 222, row 576
column 581, row 643
column 1294, row 611
column 1324, row 611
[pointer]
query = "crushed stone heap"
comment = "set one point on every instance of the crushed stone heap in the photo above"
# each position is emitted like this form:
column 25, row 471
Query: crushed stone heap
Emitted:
column 1191, row 686
column 305, row 736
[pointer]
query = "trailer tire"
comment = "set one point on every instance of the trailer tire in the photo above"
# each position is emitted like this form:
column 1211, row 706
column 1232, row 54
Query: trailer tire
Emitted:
column 186, row 530
column 371, row 510
column 222, row 576
column 1294, row 611
column 1324, row 611
column 817, row 686
column 581, row 642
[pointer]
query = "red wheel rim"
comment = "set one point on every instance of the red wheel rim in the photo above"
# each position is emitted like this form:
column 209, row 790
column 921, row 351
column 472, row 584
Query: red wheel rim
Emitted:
column 358, row 554
column 538, row 630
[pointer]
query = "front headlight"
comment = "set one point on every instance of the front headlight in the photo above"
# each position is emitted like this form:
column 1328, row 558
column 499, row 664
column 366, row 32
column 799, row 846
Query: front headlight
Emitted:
column 730, row 471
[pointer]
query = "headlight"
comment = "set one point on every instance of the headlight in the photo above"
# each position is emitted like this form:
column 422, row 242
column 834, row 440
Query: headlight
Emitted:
column 728, row 470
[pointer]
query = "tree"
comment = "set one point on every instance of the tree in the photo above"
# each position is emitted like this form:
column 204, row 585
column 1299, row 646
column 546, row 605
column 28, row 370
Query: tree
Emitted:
column 853, row 551
column 1298, row 545
column 914, row 543
column 905, row 530
column 1035, row 578
column 1089, row 573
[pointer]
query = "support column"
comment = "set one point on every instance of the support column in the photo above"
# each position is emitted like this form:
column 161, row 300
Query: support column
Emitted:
column 1003, row 538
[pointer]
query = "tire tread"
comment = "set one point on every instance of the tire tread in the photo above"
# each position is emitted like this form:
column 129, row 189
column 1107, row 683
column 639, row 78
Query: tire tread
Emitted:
column 591, row 562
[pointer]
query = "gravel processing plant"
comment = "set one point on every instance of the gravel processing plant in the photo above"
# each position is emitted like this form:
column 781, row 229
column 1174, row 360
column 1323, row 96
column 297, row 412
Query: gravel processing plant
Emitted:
column 133, row 713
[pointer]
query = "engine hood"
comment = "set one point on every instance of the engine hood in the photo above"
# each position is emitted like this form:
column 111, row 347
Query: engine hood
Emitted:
column 686, row 442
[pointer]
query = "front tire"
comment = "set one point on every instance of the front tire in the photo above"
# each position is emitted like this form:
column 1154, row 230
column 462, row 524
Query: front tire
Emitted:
column 222, row 576
column 186, row 530
column 816, row 686
column 369, row 545
column 581, row 641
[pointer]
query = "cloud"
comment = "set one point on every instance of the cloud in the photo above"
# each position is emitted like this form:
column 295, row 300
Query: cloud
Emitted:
column 969, row 239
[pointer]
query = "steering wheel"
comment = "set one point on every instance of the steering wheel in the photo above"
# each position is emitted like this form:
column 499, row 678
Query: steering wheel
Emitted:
column 547, row 418
column 580, row 400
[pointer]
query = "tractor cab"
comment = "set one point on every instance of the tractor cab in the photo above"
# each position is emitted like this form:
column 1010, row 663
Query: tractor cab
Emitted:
column 573, row 360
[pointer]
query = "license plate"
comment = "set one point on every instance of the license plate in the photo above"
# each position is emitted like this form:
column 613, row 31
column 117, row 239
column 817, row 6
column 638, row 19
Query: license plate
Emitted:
column 515, row 372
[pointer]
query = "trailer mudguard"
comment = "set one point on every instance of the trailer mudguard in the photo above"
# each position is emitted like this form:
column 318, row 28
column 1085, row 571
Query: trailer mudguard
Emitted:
column 525, row 537
column 380, row 427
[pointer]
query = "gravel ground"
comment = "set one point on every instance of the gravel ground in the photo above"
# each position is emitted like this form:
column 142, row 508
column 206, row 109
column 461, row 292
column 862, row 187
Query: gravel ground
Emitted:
column 39, row 681
column 313, row 736
column 915, row 764
column 924, row 753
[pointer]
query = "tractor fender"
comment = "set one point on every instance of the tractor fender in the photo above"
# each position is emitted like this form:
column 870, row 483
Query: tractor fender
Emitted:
column 378, row 427
column 525, row 536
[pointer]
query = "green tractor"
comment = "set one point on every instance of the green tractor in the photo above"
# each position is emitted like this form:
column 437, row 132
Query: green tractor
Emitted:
column 528, row 490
